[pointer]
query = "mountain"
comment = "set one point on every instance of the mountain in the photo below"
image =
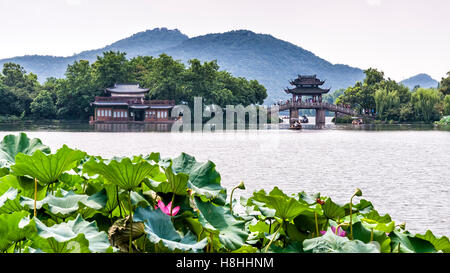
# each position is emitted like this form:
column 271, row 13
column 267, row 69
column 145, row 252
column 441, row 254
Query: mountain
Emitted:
column 271, row 61
column 422, row 80
column 150, row 42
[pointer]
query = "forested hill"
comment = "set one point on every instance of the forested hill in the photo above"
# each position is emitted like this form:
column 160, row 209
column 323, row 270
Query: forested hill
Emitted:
column 422, row 80
column 269, row 60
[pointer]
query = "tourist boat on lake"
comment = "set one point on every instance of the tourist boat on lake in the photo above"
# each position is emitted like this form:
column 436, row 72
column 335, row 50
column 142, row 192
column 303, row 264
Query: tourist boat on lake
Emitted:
column 304, row 119
column 126, row 103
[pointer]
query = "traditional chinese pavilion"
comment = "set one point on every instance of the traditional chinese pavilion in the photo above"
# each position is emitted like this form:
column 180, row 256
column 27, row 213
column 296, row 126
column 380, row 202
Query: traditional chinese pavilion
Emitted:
column 127, row 103
column 306, row 86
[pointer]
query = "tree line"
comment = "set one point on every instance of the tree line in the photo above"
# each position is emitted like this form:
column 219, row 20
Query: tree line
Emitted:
column 392, row 101
column 69, row 98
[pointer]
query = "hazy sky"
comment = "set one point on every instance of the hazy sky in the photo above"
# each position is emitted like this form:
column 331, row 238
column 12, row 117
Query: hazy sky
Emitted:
column 400, row 37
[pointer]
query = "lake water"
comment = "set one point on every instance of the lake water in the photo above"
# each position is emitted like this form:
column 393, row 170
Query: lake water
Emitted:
column 403, row 170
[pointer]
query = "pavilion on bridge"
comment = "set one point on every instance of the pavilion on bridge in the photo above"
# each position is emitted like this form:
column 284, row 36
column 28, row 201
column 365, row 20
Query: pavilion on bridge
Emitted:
column 126, row 103
column 307, row 86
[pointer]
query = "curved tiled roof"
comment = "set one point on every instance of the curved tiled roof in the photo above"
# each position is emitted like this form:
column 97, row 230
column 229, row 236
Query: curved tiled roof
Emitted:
column 127, row 89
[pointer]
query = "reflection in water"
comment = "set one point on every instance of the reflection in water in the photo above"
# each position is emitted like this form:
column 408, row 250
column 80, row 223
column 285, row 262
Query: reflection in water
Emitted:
column 124, row 127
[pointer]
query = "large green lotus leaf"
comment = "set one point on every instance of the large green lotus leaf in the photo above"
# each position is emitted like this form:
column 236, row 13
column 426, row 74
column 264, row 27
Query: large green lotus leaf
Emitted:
column 331, row 243
column 12, row 145
column 385, row 227
column 360, row 232
column 47, row 168
column 333, row 210
column 75, row 236
column 9, row 201
column 309, row 199
column 159, row 229
column 204, row 180
column 13, row 228
column 125, row 173
column 286, row 208
column 173, row 183
column 442, row 243
column 23, row 184
column 406, row 243
column 218, row 219
column 68, row 204
column 262, row 208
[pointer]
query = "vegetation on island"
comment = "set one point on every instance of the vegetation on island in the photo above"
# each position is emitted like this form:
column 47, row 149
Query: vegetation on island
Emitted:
column 394, row 102
column 69, row 98
column 68, row 201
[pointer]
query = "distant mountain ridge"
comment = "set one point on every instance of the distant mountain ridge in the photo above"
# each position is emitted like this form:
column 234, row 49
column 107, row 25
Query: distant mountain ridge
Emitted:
column 271, row 61
column 422, row 80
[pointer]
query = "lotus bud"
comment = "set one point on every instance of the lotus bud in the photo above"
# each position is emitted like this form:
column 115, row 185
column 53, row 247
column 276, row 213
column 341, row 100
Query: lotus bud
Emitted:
column 402, row 225
column 241, row 186
column 358, row 192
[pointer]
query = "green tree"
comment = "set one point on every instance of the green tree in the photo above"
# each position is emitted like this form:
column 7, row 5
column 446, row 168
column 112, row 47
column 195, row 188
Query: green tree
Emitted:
column 77, row 91
column 165, row 79
column 447, row 105
column 424, row 102
column 43, row 106
column 444, row 85
column 111, row 68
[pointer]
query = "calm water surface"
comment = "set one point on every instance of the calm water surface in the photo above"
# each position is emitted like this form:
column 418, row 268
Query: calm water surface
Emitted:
column 404, row 171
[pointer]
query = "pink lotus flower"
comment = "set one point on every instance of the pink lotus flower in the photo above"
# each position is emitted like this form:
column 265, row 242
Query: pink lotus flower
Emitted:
column 340, row 231
column 168, row 209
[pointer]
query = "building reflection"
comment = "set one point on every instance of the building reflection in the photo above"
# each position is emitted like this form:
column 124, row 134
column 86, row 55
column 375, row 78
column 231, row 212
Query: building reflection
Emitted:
column 130, row 127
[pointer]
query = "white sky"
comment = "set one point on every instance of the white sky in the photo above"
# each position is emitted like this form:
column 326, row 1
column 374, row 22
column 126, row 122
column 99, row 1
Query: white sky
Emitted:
column 400, row 37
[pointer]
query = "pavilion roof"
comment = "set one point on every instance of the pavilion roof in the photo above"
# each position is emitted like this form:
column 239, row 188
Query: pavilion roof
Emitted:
column 127, row 89
column 306, row 91
column 307, row 80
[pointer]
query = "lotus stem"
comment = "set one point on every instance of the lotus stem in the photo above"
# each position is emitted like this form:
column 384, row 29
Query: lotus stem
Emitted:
column 35, row 195
column 239, row 186
column 371, row 234
column 271, row 240
column 317, row 224
column 357, row 193
column 118, row 201
column 130, row 247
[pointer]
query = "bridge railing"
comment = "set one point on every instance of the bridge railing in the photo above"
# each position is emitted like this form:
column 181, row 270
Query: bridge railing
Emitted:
column 324, row 105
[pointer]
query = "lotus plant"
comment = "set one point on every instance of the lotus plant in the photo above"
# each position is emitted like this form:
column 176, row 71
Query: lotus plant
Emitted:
column 168, row 209
column 358, row 192
column 336, row 230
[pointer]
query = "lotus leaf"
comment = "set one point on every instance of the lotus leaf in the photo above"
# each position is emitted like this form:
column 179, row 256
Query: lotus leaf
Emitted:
column 122, row 172
column 76, row 235
column 331, row 243
column 68, row 204
column 406, row 243
column 286, row 208
column 13, row 229
column 12, row 145
column 47, row 168
column 204, row 180
column 159, row 229
column 442, row 243
column 218, row 219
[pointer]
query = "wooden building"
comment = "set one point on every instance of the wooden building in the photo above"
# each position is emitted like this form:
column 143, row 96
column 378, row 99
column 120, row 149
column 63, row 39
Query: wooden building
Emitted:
column 126, row 103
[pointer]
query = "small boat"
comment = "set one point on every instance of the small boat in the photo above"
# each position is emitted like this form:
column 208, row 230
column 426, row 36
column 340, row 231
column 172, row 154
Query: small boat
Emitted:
column 295, row 126
column 304, row 119
column 357, row 121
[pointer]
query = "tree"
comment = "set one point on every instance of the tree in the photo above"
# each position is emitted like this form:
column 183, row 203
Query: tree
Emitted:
column 43, row 106
column 77, row 91
column 424, row 102
column 447, row 105
column 444, row 85
column 165, row 79
column 111, row 68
